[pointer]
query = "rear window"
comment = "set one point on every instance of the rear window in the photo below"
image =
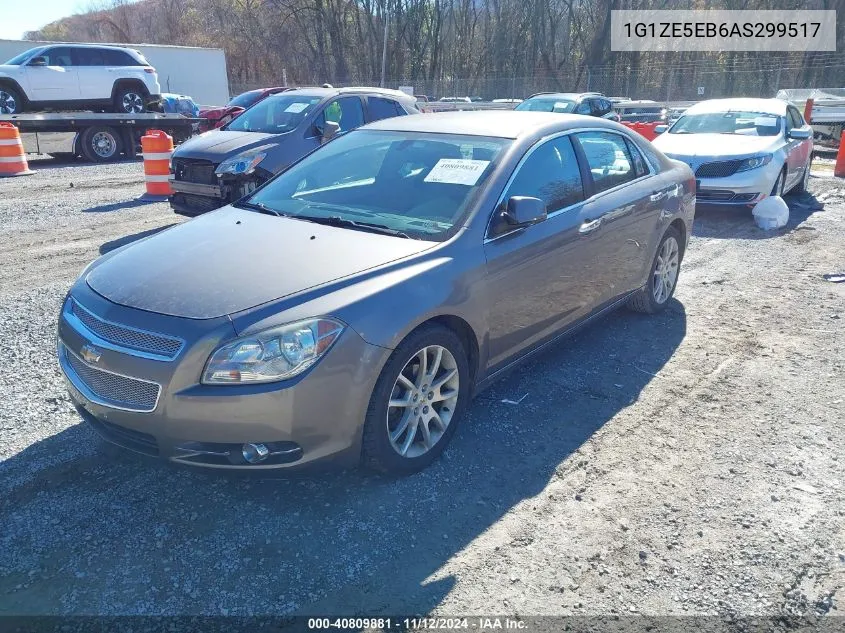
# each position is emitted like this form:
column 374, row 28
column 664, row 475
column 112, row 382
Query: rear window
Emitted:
column 383, row 108
column 121, row 58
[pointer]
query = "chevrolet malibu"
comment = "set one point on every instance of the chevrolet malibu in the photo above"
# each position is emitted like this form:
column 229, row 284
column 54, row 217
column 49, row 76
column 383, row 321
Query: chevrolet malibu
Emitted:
column 742, row 150
column 351, row 307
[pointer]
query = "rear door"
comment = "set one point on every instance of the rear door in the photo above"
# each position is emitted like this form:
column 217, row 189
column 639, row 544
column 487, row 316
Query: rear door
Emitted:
column 626, row 200
column 379, row 108
column 92, row 72
column 58, row 80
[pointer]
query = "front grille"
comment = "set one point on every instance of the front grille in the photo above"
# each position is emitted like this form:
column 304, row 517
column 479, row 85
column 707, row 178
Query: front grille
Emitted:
column 190, row 170
column 120, row 435
column 721, row 195
column 125, row 336
column 720, row 169
column 115, row 390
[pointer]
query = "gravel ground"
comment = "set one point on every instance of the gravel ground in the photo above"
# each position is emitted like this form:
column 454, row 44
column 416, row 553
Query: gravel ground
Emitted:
column 689, row 463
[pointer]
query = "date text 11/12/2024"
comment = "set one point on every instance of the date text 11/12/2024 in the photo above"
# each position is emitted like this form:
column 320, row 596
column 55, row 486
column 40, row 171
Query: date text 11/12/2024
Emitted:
column 418, row 624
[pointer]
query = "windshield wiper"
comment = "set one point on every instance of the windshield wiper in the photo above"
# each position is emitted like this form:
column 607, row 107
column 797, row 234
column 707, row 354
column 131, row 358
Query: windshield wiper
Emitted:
column 258, row 206
column 336, row 220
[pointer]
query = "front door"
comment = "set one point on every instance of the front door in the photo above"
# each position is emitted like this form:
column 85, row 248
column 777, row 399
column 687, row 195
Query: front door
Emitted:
column 535, row 281
column 58, row 80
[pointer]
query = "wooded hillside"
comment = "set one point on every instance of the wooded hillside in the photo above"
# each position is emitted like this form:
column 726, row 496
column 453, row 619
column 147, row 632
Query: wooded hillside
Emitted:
column 490, row 48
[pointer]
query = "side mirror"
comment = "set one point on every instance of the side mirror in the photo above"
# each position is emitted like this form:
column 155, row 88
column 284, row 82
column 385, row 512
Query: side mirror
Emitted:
column 330, row 130
column 38, row 61
column 524, row 211
column 659, row 129
column 800, row 133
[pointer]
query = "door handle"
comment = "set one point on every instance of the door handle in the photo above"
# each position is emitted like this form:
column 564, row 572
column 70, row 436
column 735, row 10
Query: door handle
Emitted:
column 589, row 226
column 657, row 196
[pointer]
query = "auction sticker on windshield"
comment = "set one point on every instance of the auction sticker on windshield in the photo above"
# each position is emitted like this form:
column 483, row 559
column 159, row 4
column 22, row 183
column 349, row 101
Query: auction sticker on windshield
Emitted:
column 457, row 171
column 296, row 108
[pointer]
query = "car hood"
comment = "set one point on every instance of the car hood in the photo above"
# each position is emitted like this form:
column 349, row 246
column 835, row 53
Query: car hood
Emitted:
column 233, row 259
column 217, row 145
column 713, row 145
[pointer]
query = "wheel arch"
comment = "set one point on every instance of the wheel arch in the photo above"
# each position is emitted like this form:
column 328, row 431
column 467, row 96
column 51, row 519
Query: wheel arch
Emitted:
column 14, row 85
column 679, row 225
column 463, row 330
column 120, row 84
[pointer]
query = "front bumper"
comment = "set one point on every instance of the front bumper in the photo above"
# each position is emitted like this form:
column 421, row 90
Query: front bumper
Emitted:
column 316, row 416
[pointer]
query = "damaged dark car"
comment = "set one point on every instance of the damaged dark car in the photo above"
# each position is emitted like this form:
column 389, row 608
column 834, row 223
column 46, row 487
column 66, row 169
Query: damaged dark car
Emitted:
column 224, row 165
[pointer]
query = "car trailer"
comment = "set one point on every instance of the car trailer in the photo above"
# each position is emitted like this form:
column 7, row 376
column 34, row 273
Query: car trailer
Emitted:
column 97, row 137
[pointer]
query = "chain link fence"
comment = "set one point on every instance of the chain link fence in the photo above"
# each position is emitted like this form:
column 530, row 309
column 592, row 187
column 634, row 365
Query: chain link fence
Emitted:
column 665, row 80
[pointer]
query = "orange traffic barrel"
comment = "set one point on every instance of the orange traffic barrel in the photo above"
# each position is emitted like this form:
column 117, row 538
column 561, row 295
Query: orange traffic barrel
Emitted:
column 12, row 157
column 839, row 168
column 157, row 147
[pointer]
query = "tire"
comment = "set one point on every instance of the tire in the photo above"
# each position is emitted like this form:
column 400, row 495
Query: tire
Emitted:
column 101, row 144
column 130, row 101
column 11, row 101
column 777, row 190
column 379, row 451
column 804, row 185
column 647, row 299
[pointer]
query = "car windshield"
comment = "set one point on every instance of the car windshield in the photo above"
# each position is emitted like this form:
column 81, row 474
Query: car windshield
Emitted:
column 729, row 122
column 20, row 59
column 547, row 105
column 404, row 183
column 275, row 114
column 245, row 99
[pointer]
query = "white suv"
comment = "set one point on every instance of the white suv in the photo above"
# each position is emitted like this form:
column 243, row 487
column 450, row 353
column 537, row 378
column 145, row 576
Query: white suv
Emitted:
column 78, row 76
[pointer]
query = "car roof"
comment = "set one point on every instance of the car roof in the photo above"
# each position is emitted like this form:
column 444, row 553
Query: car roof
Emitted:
column 764, row 106
column 494, row 123
column 330, row 92
column 566, row 95
column 75, row 45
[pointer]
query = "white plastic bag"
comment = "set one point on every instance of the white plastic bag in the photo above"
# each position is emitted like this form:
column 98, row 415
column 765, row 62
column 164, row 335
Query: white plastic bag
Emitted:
column 771, row 213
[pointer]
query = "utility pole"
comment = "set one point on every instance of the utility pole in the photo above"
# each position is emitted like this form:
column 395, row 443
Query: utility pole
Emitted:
column 285, row 77
column 384, row 50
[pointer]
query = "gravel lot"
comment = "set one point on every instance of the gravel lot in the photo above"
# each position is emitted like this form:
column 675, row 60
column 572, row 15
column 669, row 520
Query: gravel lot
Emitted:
column 690, row 463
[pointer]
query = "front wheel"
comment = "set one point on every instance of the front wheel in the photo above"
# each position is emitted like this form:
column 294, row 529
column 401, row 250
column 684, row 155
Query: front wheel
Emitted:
column 777, row 190
column 417, row 402
column 804, row 185
column 663, row 278
column 11, row 101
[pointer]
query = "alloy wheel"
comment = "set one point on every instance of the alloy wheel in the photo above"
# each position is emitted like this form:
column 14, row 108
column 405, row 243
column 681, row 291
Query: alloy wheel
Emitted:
column 422, row 402
column 8, row 105
column 666, row 270
column 132, row 103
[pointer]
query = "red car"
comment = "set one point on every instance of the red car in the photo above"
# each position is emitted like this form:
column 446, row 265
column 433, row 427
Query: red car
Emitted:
column 213, row 118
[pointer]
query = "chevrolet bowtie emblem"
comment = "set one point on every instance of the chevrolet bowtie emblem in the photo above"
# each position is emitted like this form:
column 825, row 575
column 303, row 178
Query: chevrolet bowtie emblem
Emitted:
column 90, row 354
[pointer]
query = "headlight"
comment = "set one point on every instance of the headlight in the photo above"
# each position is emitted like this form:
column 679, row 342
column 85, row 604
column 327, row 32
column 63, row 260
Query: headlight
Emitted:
column 241, row 164
column 754, row 162
column 272, row 355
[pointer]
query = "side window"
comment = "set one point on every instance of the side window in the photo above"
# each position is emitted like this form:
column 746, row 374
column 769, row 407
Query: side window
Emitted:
column 598, row 107
column 550, row 173
column 607, row 158
column 59, row 56
column 87, row 57
column 347, row 112
column 583, row 107
column 640, row 166
column 117, row 58
column 381, row 108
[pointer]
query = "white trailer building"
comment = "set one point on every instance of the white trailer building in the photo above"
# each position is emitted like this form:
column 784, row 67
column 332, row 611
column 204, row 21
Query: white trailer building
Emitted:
column 197, row 72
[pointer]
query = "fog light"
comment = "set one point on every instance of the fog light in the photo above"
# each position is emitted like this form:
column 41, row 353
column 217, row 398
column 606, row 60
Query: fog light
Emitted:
column 254, row 453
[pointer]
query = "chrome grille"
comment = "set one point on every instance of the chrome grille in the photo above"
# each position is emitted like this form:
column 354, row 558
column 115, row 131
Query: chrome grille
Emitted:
column 122, row 335
column 720, row 169
column 113, row 389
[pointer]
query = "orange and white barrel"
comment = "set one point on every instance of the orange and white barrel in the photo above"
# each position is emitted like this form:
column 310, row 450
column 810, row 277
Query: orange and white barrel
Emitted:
column 157, row 147
column 12, row 157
